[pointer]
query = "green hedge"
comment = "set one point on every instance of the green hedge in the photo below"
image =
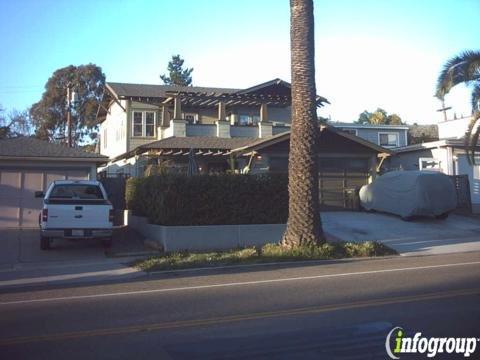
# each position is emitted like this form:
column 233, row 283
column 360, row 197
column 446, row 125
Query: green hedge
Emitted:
column 210, row 199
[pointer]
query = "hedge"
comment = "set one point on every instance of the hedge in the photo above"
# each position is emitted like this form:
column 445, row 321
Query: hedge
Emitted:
column 210, row 199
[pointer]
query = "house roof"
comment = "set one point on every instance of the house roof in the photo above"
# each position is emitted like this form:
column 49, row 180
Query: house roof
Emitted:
column 181, row 145
column 27, row 147
column 457, row 143
column 275, row 92
column 124, row 90
column 199, row 142
column 367, row 126
column 263, row 143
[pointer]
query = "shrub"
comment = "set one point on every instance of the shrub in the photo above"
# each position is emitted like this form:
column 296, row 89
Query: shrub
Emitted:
column 210, row 199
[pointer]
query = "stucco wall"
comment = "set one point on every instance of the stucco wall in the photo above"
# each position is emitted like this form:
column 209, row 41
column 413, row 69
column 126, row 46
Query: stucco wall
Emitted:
column 453, row 128
column 206, row 238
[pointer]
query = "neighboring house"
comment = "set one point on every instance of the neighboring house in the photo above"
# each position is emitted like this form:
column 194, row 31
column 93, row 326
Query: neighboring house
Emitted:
column 140, row 122
column 388, row 136
column 445, row 155
column 28, row 165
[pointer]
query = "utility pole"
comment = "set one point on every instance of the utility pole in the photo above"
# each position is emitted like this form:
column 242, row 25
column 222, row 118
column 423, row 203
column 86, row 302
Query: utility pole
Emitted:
column 444, row 109
column 69, row 116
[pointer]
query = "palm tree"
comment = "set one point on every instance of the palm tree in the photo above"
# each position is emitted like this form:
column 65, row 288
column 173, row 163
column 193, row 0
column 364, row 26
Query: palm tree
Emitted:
column 304, row 224
column 464, row 68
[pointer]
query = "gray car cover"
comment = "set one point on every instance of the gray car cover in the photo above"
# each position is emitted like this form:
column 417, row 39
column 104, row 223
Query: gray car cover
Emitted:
column 410, row 193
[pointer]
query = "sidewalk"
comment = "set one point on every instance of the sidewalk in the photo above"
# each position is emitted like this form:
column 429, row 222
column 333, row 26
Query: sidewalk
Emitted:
column 22, row 263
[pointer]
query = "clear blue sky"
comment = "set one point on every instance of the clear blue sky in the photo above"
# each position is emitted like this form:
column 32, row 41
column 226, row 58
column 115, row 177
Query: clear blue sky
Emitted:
column 368, row 53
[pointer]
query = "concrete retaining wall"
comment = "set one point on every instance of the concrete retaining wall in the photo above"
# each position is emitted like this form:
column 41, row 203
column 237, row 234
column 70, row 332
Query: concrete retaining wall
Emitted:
column 210, row 237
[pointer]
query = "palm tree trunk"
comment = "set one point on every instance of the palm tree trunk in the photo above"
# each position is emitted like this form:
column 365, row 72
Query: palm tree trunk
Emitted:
column 304, row 223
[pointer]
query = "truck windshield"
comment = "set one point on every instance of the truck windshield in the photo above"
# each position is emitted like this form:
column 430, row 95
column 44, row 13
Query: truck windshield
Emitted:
column 76, row 191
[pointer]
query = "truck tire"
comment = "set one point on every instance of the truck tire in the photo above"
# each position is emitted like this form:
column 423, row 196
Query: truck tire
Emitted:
column 107, row 242
column 44, row 243
column 442, row 216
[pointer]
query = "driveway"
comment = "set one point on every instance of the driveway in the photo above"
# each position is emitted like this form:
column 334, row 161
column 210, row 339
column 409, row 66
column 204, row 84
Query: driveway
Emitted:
column 23, row 263
column 23, row 246
column 419, row 237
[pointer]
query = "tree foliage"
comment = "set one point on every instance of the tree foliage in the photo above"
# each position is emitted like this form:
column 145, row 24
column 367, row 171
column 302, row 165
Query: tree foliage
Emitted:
column 379, row 117
column 464, row 68
column 418, row 134
column 49, row 115
column 177, row 75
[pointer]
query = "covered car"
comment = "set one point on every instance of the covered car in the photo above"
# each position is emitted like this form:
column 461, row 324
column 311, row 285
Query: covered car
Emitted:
column 410, row 193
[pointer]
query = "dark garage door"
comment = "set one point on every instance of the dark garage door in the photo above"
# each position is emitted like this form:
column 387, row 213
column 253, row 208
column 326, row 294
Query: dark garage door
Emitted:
column 336, row 176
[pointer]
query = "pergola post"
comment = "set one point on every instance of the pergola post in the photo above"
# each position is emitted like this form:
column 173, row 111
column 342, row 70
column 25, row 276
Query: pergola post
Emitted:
column 177, row 108
column 265, row 127
column 221, row 111
column 223, row 126
column 263, row 112
column 165, row 120
column 178, row 126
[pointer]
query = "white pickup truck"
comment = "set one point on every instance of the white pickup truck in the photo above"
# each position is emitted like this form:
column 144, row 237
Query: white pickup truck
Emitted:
column 75, row 210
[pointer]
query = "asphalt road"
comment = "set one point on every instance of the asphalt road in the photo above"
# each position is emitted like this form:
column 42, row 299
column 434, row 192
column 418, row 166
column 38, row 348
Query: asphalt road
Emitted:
column 331, row 310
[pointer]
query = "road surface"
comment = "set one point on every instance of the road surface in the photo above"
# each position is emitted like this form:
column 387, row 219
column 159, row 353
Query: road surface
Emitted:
column 329, row 310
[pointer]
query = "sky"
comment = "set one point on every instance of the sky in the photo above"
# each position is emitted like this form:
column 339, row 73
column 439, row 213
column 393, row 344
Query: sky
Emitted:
column 368, row 54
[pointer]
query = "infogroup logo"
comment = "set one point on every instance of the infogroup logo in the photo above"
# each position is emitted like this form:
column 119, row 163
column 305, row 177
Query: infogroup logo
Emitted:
column 397, row 343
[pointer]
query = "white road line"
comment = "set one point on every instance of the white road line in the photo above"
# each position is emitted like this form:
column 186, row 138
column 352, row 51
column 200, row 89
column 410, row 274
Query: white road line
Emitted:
column 244, row 283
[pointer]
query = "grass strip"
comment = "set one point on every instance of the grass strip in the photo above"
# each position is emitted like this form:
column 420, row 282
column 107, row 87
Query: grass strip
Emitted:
column 267, row 253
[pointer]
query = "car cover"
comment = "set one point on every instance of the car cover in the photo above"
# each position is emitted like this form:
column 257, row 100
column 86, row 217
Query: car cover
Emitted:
column 410, row 193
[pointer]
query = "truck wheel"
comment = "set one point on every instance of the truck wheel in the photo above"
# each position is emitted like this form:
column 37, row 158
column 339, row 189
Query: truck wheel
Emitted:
column 442, row 216
column 44, row 243
column 107, row 242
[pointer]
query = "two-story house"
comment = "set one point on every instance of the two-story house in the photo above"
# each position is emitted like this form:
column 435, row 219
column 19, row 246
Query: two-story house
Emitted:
column 145, row 127
column 145, row 124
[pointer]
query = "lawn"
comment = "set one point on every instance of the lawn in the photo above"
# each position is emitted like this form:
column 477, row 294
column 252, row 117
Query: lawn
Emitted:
column 265, row 254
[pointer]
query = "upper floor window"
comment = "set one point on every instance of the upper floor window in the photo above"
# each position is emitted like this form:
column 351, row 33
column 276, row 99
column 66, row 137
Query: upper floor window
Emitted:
column 248, row 120
column 192, row 118
column 388, row 139
column 350, row 131
column 143, row 123
column 149, row 124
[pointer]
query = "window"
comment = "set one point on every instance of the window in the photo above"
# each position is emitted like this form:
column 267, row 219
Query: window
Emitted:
column 149, row 124
column 192, row 118
column 476, row 171
column 429, row 164
column 74, row 191
column 388, row 139
column 137, row 123
column 248, row 120
column 144, row 123
column 350, row 131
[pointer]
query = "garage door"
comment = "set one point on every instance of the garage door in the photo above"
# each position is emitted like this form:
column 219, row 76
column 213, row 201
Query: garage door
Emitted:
column 337, row 175
column 18, row 205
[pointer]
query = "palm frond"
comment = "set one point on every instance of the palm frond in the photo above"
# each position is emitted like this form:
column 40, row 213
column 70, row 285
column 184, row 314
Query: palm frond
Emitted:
column 464, row 67
column 471, row 137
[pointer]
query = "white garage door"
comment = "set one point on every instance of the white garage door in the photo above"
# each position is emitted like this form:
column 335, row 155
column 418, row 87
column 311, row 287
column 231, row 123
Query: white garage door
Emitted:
column 18, row 205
